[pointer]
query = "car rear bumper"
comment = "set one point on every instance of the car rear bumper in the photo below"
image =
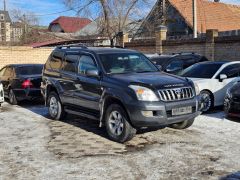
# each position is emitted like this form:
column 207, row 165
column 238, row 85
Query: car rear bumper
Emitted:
column 27, row 94
column 162, row 112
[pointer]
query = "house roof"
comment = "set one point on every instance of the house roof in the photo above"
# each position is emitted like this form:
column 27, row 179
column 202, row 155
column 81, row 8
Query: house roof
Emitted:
column 6, row 14
column 211, row 15
column 71, row 24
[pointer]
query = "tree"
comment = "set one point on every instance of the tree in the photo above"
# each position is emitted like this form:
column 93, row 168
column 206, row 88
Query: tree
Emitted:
column 113, row 16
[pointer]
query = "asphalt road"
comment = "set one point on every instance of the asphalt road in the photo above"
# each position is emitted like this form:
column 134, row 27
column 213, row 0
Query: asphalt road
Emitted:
column 35, row 147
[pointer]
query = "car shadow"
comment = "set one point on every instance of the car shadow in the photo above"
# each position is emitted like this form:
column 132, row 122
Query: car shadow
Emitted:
column 86, row 124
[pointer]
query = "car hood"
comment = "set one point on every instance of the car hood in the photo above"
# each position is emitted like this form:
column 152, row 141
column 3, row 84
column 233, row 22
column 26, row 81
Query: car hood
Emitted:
column 158, row 80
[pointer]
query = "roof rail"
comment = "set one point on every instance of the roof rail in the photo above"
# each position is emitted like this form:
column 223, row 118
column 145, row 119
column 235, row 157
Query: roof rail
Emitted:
column 72, row 46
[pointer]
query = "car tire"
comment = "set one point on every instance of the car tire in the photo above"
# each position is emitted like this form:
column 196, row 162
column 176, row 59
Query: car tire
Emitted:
column 55, row 108
column 207, row 101
column 183, row 125
column 12, row 97
column 117, row 124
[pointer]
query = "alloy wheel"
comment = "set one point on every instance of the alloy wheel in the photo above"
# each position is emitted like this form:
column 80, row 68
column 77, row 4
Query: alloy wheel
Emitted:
column 53, row 106
column 207, row 102
column 116, row 123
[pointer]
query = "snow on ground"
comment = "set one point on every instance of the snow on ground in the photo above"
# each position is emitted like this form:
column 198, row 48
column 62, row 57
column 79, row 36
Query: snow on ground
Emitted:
column 34, row 147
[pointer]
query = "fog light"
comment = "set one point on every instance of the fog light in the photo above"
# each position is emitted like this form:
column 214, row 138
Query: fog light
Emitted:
column 147, row 113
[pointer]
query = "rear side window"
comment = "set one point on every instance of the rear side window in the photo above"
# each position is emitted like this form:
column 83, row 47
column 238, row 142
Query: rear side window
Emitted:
column 55, row 61
column 71, row 63
column 29, row 70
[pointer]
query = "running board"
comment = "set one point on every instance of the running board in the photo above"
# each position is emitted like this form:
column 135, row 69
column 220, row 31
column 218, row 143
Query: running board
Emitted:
column 81, row 114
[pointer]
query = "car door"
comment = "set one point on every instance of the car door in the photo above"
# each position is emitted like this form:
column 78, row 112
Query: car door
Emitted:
column 232, row 73
column 69, row 76
column 88, row 92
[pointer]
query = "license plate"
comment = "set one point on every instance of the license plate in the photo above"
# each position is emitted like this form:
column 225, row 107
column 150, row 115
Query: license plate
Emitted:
column 182, row 110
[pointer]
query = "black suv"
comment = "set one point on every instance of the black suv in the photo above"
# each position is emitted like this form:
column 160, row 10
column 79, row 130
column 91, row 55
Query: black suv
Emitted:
column 175, row 63
column 121, row 88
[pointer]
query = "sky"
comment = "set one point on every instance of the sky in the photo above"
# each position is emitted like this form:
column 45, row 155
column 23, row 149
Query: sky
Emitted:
column 48, row 10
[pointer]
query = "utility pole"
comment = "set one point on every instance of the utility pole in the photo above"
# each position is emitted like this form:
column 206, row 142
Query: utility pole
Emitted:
column 194, row 18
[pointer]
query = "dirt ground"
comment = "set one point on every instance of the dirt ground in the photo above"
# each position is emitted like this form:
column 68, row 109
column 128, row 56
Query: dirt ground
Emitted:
column 35, row 147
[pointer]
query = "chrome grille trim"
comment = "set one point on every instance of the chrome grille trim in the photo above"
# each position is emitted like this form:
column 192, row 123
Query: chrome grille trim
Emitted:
column 176, row 94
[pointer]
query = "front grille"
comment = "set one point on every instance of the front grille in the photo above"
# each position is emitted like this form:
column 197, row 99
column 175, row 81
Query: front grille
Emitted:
column 176, row 94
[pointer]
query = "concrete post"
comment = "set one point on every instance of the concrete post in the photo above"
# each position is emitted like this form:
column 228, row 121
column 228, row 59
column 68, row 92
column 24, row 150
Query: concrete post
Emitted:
column 161, row 35
column 210, row 43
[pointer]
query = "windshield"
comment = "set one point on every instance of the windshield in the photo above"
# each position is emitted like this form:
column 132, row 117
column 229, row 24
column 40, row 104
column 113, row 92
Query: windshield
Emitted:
column 206, row 71
column 29, row 70
column 121, row 63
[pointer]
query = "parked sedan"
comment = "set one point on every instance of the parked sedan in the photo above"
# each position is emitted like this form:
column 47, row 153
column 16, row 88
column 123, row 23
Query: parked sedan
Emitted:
column 213, row 80
column 232, row 101
column 176, row 63
column 21, row 82
column 1, row 94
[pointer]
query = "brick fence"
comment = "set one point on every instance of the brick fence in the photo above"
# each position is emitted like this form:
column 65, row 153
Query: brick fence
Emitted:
column 22, row 54
column 212, row 46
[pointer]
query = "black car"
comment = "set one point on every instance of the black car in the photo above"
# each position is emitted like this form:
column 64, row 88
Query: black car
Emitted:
column 21, row 82
column 232, row 101
column 175, row 63
column 120, row 88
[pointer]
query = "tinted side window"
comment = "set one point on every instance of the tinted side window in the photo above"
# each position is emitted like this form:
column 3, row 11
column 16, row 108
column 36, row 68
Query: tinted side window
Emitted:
column 71, row 63
column 56, row 60
column 86, row 63
column 175, row 64
column 231, row 71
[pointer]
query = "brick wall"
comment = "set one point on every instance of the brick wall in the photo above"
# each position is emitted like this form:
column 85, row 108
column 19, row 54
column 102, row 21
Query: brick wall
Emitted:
column 23, row 55
column 211, row 46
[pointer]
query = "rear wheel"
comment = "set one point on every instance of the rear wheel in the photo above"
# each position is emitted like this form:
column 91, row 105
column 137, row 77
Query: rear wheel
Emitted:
column 55, row 107
column 207, row 101
column 12, row 98
column 117, row 124
column 183, row 125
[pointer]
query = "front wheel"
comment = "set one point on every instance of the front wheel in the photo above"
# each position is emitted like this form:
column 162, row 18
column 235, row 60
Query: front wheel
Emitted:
column 227, row 106
column 117, row 124
column 55, row 107
column 207, row 101
column 183, row 125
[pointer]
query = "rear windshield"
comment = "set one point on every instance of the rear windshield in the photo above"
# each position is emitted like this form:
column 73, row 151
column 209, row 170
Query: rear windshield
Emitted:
column 29, row 70
column 201, row 71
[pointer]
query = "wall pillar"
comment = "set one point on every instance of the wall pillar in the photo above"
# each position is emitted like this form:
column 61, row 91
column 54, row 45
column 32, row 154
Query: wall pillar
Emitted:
column 161, row 35
column 211, row 34
column 122, row 39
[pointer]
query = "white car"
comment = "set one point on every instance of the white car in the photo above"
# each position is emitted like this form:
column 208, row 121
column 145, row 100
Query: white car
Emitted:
column 1, row 94
column 213, row 79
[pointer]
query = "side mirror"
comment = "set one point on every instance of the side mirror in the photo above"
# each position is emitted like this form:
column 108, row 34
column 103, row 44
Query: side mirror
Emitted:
column 222, row 77
column 93, row 73
column 159, row 67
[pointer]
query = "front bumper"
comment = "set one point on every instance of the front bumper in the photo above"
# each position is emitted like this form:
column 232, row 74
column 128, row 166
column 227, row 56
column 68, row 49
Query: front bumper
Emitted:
column 162, row 112
column 27, row 94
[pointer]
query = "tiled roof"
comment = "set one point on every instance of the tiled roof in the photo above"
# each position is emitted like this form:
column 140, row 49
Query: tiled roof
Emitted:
column 211, row 15
column 71, row 24
column 6, row 14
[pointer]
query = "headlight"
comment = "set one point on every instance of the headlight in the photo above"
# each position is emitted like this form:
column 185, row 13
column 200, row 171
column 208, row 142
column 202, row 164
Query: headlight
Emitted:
column 143, row 93
column 197, row 90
